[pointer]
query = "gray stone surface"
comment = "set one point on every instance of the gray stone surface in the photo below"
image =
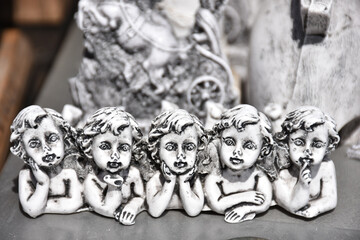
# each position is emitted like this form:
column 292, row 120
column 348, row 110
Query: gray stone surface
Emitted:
column 342, row 223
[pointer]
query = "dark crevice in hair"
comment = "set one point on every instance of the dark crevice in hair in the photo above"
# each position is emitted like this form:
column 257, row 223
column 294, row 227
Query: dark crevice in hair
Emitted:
column 39, row 119
column 184, row 127
column 244, row 124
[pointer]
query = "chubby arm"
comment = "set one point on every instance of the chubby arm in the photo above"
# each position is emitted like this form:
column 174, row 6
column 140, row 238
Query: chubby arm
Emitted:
column 158, row 196
column 102, row 201
column 191, row 198
column 72, row 199
column 328, row 196
column 136, row 204
column 219, row 202
column 248, row 212
column 33, row 198
column 289, row 196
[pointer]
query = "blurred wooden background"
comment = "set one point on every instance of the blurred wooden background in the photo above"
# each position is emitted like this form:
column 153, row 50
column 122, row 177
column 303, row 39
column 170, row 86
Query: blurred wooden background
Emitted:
column 31, row 34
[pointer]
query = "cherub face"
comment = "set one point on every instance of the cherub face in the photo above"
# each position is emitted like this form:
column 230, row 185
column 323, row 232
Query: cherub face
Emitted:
column 308, row 146
column 113, row 153
column 45, row 144
column 240, row 150
column 178, row 151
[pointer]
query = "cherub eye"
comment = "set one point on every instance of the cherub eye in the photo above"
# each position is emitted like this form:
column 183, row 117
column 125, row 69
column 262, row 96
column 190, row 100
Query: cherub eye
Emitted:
column 34, row 143
column 105, row 146
column 189, row 146
column 299, row 142
column 53, row 137
column 250, row 145
column 229, row 141
column 318, row 144
column 124, row 147
column 170, row 146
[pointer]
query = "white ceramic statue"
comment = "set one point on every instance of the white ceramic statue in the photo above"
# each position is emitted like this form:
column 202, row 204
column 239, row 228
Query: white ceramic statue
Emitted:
column 176, row 139
column 42, row 138
column 307, row 185
column 110, row 138
column 239, row 188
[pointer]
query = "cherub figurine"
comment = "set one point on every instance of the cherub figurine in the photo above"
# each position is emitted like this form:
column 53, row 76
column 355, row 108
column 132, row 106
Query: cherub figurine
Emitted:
column 239, row 188
column 176, row 141
column 41, row 137
column 110, row 138
column 307, row 187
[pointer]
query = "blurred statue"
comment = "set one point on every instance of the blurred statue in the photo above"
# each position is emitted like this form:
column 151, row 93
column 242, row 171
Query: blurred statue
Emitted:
column 140, row 53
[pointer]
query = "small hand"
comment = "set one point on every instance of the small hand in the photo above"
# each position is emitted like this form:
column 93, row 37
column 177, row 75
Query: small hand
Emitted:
column 188, row 175
column 238, row 215
column 168, row 175
column 40, row 175
column 126, row 216
column 305, row 174
column 115, row 181
column 309, row 212
column 254, row 197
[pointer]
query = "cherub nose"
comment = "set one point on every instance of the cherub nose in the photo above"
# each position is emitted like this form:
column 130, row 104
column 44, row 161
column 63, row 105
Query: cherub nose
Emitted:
column 115, row 155
column 180, row 155
column 308, row 152
column 46, row 147
column 237, row 152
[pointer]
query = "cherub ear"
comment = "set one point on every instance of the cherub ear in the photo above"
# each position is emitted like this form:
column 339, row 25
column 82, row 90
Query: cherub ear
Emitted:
column 85, row 144
column 202, row 143
column 266, row 148
column 265, row 151
column 333, row 142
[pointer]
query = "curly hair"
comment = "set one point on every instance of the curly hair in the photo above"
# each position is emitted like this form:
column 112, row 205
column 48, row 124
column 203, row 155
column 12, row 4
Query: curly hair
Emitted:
column 243, row 115
column 174, row 121
column 30, row 118
column 106, row 119
column 307, row 118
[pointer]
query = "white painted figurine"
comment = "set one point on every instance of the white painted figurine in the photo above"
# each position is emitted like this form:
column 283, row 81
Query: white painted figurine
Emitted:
column 307, row 187
column 240, row 189
column 41, row 137
column 114, row 187
column 176, row 139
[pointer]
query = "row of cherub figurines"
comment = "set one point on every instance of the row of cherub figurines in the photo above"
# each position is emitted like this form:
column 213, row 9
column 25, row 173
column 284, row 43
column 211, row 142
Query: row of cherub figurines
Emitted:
column 227, row 169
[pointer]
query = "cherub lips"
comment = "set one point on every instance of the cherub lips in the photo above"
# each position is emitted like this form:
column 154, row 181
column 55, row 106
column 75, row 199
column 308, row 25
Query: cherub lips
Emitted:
column 236, row 161
column 180, row 164
column 114, row 164
column 306, row 160
column 49, row 158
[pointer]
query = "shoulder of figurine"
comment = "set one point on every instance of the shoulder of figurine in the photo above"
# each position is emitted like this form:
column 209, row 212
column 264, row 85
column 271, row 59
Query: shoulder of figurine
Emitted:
column 213, row 177
column 134, row 172
column 327, row 167
column 68, row 172
column 133, row 169
column 91, row 177
column 283, row 175
column 154, row 181
column 327, row 161
column 156, row 176
column 25, row 173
